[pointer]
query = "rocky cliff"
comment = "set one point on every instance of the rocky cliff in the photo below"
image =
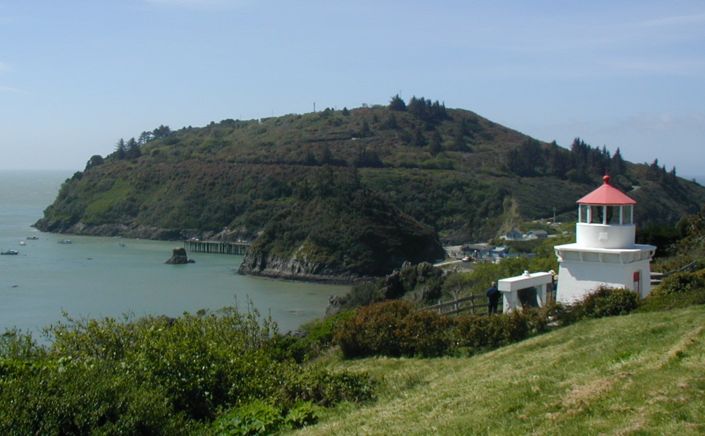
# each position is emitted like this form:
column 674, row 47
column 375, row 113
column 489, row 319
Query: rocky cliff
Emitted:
column 340, row 238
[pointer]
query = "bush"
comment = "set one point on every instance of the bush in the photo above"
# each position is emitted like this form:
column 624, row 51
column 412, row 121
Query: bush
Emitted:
column 374, row 330
column 301, row 415
column 315, row 337
column 156, row 375
column 394, row 328
column 682, row 282
column 604, row 301
column 475, row 333
column 260, row 417
column 74, row 397
column 325, row 388
column 256, row 417
column 677, row 290
column 424, row 333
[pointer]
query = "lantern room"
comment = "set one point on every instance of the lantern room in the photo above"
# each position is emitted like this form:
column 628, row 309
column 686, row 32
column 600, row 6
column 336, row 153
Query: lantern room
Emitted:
column 605, row 218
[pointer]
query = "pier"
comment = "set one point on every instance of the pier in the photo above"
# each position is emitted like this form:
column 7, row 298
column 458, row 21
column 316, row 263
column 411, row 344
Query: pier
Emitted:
column 216, row 247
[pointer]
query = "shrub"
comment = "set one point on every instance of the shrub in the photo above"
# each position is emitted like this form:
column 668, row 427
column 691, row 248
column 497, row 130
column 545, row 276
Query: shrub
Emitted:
column 604, row 301
column 394, row 328
column 374, row 330
column 677, row 290
column 479, row 332
column 317, row 336
column 325, row 388
column 260, row 417
column 302, row 414
column 77, row 397
column 256, row 417
column 425, row 333
column 682, row 282
column 157, row 375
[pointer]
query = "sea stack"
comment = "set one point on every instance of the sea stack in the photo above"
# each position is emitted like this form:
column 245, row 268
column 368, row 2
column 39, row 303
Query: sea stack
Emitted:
column 179, row 257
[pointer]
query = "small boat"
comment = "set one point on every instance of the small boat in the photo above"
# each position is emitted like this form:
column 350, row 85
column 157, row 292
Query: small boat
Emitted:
column 23, row 243
column 32, row 238
column 10, row 253
column 65, row 241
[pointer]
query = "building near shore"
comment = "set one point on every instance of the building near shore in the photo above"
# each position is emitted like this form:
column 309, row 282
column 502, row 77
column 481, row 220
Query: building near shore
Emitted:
column 605, row 252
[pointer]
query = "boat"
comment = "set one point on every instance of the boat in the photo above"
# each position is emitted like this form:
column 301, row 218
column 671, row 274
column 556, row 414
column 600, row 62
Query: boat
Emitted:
column 23, row 243
column 10, row 253
column 32, row 238
column 65, row 241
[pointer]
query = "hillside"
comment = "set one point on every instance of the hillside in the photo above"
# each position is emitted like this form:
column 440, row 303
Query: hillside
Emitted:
column 635, row 374
column 346, row 234
column 450, row 169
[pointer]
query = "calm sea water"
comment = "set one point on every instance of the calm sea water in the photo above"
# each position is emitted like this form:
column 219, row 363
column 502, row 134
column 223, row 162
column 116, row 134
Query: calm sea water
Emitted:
column 97, row 277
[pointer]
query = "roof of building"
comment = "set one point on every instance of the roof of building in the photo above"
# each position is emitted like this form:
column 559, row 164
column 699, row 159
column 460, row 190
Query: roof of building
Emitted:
column 607, row 194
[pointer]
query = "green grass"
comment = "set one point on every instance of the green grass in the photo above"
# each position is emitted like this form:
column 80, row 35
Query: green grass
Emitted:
column 637, row 374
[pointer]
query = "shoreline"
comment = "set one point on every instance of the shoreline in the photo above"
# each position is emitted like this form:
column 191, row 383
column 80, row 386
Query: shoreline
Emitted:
column 180, row 235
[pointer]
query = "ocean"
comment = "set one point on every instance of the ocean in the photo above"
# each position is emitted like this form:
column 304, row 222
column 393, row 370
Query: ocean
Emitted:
column 95, row 277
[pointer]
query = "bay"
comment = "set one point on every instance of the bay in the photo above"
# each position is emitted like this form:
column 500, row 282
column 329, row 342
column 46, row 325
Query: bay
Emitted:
column 95, row 277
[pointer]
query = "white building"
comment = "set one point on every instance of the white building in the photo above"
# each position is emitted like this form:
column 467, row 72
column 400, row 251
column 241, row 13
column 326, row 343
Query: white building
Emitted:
column 604, row 252
column 526, row 290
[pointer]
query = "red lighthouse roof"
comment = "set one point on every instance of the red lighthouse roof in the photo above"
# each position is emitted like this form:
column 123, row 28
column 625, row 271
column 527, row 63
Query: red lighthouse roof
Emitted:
column 607, row 195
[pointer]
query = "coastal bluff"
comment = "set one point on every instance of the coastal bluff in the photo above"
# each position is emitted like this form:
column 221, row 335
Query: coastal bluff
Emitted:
column 340, row 239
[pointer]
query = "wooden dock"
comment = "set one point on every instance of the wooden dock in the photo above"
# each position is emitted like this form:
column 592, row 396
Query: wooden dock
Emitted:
column 216, row 247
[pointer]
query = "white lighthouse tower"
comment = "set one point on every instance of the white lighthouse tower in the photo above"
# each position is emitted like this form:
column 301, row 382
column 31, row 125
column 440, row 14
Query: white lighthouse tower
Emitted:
column 604, row 252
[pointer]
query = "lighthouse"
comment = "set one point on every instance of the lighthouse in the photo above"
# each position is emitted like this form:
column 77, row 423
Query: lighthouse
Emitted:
column 604, row 252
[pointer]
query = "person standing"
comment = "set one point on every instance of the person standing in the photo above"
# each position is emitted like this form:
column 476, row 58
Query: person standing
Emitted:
column 492, row 298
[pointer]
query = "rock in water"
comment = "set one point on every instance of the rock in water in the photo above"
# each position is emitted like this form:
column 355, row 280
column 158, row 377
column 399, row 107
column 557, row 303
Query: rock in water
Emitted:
column 179, row 257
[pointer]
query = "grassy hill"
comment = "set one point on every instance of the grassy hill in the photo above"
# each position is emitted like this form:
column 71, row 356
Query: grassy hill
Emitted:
column 636, row 374
column 452, row 170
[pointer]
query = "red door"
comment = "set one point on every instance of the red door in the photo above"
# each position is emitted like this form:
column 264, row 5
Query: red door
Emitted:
column 637, row 282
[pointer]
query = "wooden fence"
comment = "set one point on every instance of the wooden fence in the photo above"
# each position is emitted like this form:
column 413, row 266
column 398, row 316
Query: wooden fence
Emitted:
column 472, row 304
column 476, row 304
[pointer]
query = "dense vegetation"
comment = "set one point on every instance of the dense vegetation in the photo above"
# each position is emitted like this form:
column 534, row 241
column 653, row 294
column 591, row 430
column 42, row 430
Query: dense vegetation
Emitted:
column 340, row 229
column 162, row 376
column 397, row 328
column 460, row 174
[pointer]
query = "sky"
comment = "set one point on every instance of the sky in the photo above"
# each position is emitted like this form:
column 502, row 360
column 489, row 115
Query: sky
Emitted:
column 76, row 76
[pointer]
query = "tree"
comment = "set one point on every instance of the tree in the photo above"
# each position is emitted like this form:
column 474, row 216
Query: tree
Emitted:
column 365, row 129
column 436, row 143
column 459, row 143
column 419, row 139
column 145, row 137
column 617, row 165
column 392, row 122
column 425, row 110
column 397, row 104
column 120, row 149
column 367, row 158
column 161, row 132
column 133, row 149
column 94, row 161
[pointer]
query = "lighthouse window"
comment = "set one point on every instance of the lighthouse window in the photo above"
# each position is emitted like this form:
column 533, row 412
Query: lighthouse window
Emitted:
column 583, row 213
column 596, row 215
column 613, row 214
column 627, row 214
